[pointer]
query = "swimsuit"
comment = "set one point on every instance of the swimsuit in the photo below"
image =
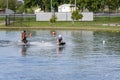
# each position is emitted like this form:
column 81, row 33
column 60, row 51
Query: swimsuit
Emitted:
column 24, row 40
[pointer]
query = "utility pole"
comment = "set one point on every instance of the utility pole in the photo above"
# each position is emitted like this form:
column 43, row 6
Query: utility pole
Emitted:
column 7, row 4
column 51, row 6
column 75, row 5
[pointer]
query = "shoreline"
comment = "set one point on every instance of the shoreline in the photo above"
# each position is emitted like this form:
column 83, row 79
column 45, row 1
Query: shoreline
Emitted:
column 61, row 28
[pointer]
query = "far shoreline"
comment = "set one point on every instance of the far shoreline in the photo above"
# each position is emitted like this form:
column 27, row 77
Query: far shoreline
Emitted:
column 98, row 24
column 62, row 28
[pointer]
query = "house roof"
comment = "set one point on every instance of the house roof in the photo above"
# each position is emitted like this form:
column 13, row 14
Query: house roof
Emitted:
column 66, row 5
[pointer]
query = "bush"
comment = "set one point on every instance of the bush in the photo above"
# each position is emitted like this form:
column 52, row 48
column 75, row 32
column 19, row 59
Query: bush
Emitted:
column 53, row 19
column 76, row 15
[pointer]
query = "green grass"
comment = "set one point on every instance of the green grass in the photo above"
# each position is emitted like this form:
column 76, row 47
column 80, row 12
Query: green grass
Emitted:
column 97, row 24
column 98, row 21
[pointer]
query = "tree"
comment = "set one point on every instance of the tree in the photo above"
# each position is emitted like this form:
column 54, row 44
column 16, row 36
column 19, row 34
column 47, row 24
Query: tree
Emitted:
column 12, row 4
column 2, row 4
column 45, row 5
column 93, row 5
column 76, row 15
column 102, row 5
column 113, row 4
column 20, row 9
column 53, row 19
column 60, row 2
column 81, row 4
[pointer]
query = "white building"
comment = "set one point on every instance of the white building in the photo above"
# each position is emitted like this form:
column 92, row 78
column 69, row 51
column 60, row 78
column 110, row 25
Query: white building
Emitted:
column 64, row 14
column 37, row 11
column 66, row 8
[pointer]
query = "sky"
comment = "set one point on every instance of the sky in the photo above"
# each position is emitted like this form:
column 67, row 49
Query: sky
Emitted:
column 20, row 0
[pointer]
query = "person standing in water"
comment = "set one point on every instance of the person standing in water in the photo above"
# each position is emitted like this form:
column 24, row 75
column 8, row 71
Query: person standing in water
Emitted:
column 24, row 37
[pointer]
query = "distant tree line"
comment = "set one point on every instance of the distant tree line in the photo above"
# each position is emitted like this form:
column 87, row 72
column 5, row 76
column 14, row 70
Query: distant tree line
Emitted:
column 12, row 4
column 91, row 5
column 45, row 5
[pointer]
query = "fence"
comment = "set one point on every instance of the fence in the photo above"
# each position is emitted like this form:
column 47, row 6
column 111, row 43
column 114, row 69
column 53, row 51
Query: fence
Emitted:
column 63, row 16
column 26, row 19
column 19, row 19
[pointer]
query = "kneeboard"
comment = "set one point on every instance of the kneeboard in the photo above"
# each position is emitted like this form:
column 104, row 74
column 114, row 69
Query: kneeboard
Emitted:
column 62, row 43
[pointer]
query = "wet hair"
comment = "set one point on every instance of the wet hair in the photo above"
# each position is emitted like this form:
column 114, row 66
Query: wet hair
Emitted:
column 24, row 31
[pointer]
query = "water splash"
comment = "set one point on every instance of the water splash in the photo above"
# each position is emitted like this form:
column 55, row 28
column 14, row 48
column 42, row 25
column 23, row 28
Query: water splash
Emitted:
column 4, row 43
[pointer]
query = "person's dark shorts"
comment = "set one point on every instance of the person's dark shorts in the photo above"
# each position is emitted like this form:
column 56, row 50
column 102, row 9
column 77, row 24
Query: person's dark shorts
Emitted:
column 24, row 40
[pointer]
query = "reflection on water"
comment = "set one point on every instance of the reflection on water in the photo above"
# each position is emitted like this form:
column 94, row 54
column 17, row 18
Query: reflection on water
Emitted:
column 24, row 50
column 4, row 43
column 60, row 49
column 87, row 55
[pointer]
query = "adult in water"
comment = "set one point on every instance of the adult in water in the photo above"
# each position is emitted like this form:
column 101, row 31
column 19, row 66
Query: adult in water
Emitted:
column 24, row 37
column 59, row 39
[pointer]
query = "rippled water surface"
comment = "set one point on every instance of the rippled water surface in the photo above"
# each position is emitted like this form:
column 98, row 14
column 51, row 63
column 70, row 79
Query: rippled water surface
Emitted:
column 87, row 55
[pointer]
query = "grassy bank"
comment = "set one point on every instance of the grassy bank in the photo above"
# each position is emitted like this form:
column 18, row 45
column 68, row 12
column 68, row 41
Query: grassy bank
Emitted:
column 99, row 23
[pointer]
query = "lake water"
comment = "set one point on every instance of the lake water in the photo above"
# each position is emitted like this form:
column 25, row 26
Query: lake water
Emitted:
column 87, row 55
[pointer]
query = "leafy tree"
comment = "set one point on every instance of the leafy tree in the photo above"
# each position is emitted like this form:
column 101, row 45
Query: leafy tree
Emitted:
column 28, row 3
column 53, row 19
column 113, row 4
column 2, row 4
column 76, row 15
column 81, row 4
column 45, row 5
column 72, row 1
column 20, row 9
column 12, row 4
column 60, row 2
column 102, row 5
column 91, row 5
